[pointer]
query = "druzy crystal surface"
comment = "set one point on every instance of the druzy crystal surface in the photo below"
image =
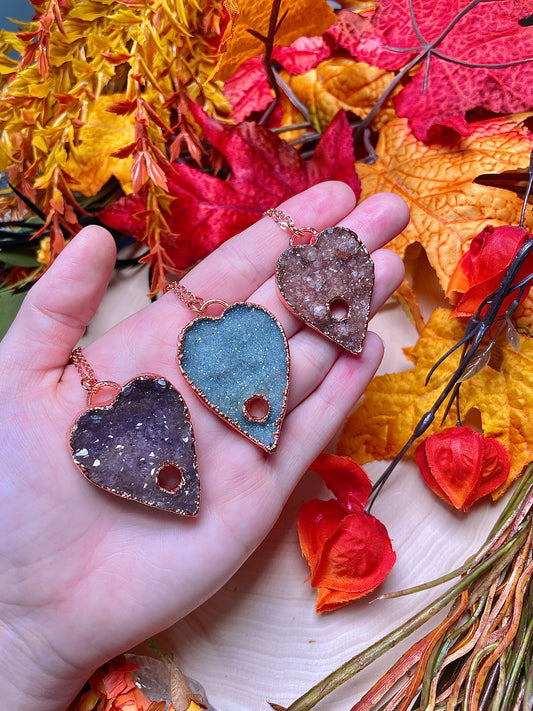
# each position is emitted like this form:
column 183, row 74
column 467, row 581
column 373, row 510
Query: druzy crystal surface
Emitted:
column 237, row 357
column 124, row 447
column 335, row 270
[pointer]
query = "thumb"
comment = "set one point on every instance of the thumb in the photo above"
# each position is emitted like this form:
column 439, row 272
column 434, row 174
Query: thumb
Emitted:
column 58, row 308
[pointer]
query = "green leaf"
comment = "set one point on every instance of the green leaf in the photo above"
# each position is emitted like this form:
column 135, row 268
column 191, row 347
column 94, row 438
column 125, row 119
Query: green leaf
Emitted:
column 9, row 306
column 18, row 258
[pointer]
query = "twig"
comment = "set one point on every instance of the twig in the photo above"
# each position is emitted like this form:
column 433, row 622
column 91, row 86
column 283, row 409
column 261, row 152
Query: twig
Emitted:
column 268, row 41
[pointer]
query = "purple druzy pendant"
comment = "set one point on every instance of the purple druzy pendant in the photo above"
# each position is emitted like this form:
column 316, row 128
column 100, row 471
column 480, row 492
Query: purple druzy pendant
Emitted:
column 141, row 446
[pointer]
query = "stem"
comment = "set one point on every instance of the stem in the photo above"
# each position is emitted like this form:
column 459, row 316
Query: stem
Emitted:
column 268, row 41
column 427, row 50
column 472, row 343
column 481, row 65
column 493, row 564
column 528, row 191
column 292, row 127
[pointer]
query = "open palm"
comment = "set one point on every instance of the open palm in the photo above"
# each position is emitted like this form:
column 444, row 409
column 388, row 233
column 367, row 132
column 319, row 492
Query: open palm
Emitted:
column 85, row 575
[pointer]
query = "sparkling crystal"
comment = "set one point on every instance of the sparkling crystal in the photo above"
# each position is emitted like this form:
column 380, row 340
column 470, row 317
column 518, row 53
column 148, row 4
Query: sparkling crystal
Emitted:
column 234, row 359
column 151, row 431
column 329, row 285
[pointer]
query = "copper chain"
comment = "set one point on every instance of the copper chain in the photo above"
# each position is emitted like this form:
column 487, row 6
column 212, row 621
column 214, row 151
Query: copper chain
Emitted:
column 281, row 219
column 195, row 303
column 286, row 223
column 88, row 377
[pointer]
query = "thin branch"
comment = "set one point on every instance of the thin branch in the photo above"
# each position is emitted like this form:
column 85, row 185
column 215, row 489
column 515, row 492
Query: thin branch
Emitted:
column 268, row 41
column 415, row 23
column 291, row 96
column 480, row 65
column 528, row 191
column 481, row 327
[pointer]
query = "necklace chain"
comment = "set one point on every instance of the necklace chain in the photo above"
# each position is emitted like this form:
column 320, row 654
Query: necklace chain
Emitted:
column 286, row 223
column 88, row 377
column 281, row 219
column 195, row 303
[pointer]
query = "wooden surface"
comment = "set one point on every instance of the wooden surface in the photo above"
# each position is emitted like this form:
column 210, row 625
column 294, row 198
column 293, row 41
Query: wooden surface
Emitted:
column 259, row 639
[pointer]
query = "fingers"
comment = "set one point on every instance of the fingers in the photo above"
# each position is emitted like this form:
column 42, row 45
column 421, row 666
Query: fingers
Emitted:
column 57, row 309
column 312, row 424
column 239, row 268
column 378, row 219
column 243, row 263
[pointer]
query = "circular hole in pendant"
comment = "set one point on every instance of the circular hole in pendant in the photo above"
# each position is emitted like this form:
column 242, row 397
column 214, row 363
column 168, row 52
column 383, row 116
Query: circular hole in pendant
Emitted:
column 339, row 308
column 102, row 394
column 170, row 478
column 256, row 408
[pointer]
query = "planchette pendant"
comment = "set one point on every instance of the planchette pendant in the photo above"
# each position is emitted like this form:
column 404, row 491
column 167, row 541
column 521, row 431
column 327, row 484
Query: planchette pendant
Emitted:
column 329, row 285
column 238, row 364
column 141, row 446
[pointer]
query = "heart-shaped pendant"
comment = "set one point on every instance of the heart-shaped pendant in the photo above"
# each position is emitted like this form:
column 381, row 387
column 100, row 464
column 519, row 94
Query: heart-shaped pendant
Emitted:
column 329, row 284
column 238, row 363
column 141, row 446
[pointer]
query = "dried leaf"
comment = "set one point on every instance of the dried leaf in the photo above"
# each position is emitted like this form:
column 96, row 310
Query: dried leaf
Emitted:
column 476, row 365
column 349, row 552
column 512, row 335
column 265, row 171
column 249, row 90
column 461, row 466
column 182, row 697
column 406, row 297
column 447, row 208
column 92, row 164
column 394, row 403
column 304, row 18
column 442, row 88
column 342, row 83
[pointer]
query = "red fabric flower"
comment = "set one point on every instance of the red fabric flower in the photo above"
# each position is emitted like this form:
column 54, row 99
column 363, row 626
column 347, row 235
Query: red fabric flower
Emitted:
column 349, row 552
column 480, row 271
column 461, row 466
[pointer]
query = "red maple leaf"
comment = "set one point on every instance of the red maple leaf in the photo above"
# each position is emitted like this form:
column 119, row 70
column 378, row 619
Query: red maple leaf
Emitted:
column 468, row 55
column 265, row 171
column 248, row 90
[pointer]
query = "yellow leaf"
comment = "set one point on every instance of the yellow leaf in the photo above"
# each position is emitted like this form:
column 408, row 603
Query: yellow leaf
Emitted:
column 447, row 208
column 342, row 83
column 92, row 165
column 304, row 18
column 394, row 403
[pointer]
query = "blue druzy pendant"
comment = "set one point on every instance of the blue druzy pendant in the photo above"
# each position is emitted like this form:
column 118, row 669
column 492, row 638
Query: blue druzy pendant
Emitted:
column 238, row 363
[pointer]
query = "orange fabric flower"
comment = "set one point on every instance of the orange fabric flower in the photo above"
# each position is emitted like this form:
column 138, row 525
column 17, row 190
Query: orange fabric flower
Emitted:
column 480, row 271
column 349, row 552
column 112, row 688
column 461, row 466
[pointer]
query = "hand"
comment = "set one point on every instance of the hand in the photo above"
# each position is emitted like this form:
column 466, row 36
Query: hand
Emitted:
column 85, row 575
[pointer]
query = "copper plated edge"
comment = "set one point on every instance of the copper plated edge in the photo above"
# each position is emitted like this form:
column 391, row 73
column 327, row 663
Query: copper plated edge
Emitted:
column 279, row 420
column 108, row 406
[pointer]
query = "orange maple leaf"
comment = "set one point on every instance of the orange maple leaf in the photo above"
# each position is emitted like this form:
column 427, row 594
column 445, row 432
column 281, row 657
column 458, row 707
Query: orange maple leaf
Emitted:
column 342, row 83
column 500, row 397
column 447, row 208
column 304, row 18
